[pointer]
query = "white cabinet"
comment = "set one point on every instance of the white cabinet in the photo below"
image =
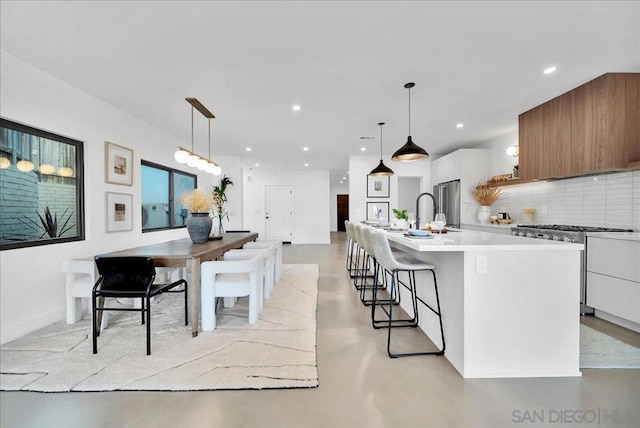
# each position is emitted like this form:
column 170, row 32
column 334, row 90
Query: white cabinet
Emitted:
column 613, row 279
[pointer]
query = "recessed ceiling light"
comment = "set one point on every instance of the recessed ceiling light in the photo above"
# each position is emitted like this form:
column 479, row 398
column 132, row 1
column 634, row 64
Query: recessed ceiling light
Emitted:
column 306, row 149
column 344, row 178
column 257, row 164
column 296, row 107
column 306, row 164
column 341, row 182
column 550, row 70
column 248, row 149
column 363, row 149
column 460, row 125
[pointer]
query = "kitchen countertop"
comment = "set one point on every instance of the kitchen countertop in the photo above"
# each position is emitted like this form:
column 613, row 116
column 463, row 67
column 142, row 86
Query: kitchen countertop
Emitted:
column 469, row 240
column 627, row 236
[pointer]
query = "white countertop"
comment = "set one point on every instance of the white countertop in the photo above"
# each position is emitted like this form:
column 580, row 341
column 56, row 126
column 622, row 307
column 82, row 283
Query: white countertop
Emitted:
column 626, row 236
column 469, row 240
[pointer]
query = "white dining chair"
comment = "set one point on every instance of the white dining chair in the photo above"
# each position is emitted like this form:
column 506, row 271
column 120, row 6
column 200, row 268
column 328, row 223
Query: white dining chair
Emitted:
column 238, row 275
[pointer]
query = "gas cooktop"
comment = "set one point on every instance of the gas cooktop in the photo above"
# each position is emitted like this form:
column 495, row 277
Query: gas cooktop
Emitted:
column 566, row 228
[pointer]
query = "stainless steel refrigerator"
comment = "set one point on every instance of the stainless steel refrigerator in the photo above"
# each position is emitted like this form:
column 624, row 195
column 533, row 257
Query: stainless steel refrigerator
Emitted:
column 448, row 198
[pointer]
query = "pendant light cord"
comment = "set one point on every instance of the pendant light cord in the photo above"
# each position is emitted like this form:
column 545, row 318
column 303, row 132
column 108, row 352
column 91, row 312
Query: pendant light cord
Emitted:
column 191, row 129
column 409, row 111
column 209, row 120
column 380, row 142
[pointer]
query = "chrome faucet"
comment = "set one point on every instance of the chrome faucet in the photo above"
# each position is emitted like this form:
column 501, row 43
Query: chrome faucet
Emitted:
column 435, row 207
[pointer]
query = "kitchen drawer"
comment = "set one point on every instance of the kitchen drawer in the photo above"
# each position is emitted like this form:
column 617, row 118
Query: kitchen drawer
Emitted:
column 614, row 257
column 613, row 295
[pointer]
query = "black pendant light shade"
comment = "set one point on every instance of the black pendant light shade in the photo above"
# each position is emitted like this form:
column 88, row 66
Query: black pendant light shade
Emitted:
column 381, row 170
column 410, row 151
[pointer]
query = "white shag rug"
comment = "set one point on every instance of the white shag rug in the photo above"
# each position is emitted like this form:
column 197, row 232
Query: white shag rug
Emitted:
column 599, row 351
column 279, row 351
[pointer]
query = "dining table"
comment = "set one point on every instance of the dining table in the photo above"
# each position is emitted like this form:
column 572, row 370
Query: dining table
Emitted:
column 189, row 255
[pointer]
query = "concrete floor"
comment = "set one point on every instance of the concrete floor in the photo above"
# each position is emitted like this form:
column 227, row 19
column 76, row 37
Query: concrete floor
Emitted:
column 359, row 385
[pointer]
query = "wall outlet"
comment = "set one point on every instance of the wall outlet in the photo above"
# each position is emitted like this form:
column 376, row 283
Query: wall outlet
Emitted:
column 543, row 209
column 482, row 264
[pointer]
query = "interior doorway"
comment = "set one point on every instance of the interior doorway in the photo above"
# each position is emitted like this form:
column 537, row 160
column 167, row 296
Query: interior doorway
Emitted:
column 342, row 211
column 279, row 213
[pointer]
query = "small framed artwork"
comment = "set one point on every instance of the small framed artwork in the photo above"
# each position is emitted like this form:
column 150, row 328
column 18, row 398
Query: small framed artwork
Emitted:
column 119, row 212
column 377, row 187
column 118, row 164
column 378, row 211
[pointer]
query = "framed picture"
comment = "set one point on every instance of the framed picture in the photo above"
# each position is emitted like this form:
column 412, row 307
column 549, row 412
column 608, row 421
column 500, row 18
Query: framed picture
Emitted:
column 377, row 211
column 118, row 164
column 119, row 212
column 377, row 187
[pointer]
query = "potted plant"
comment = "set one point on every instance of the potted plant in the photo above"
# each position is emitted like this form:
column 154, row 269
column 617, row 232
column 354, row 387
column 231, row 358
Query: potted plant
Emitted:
column 219, row 198
column 199, row 223
column 401, row 218
column 485, row 195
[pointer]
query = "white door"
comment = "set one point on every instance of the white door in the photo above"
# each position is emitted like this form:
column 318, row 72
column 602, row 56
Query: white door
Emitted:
column 279, row 213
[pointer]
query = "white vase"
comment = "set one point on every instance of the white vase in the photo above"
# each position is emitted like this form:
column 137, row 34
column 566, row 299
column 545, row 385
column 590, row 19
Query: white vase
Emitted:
column 404, row 224
column 484, row 214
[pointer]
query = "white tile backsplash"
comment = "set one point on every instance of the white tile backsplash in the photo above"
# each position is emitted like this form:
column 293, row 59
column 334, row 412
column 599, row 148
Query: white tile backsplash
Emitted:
column 611, row 200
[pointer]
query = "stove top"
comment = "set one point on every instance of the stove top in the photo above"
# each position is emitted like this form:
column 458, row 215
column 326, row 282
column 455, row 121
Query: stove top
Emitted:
column 566, row 228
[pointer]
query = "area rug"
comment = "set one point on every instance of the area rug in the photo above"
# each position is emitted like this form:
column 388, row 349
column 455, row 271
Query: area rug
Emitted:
column 600, row 351
column 279, row 351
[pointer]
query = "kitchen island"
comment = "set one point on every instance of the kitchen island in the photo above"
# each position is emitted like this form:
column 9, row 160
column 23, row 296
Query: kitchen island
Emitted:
column 510, row 305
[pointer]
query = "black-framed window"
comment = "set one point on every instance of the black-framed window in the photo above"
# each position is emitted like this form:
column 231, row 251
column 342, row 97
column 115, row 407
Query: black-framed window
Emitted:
column 41, row 187
column 161, row 188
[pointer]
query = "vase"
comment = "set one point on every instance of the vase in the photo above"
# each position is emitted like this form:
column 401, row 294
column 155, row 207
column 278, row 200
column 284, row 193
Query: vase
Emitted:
column 484, row 214
column 401, row 223
column 199, row 227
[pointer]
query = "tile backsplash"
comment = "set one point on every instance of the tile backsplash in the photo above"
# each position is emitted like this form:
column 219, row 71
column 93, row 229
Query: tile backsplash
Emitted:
column 607, row 200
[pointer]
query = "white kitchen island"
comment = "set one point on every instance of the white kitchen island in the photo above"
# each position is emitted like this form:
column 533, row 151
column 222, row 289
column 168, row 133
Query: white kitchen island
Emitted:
column 510, row 305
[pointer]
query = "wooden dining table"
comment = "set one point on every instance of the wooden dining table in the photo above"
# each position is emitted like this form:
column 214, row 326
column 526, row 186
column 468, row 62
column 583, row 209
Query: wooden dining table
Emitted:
column 184, row 253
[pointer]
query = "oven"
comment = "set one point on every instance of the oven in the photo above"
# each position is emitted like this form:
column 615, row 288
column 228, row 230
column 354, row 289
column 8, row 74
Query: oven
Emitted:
column 565, row 233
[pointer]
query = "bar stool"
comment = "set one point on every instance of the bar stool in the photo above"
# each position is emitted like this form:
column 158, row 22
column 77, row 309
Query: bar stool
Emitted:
column 370, row 257
column 362, row 266
column 393, row 266
column 350, row 245
column 238, row 275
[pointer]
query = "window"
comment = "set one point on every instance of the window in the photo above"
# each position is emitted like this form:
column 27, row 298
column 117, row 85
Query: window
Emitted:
column 161, row 191
column 41, row 187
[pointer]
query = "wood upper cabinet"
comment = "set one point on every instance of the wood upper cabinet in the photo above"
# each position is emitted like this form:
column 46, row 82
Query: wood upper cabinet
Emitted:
column 595, row 127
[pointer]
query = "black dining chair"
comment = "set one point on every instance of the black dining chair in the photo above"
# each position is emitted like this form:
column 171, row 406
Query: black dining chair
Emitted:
column 129, row 277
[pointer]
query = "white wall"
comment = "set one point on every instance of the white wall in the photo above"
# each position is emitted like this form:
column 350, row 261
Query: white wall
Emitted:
column 501, row 163
column 335, row 190
column 310, row 208
column 360, row 166
column 32, row 287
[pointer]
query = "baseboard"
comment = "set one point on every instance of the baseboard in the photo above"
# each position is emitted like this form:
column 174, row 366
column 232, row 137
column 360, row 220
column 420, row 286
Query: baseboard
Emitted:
column 312, row 241
column 16, row 331
column 617, row 320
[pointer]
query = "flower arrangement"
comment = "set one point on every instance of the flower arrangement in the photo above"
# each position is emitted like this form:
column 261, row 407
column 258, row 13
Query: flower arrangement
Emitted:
column 484, row 194
column 219, row 198
column 197, row 201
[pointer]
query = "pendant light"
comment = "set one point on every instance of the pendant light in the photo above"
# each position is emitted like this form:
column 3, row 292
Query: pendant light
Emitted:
column 185, row 156
column 410, row 151
column 381, row 170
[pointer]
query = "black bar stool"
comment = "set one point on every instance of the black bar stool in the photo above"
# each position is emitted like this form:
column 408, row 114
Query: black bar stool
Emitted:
column 392, row 266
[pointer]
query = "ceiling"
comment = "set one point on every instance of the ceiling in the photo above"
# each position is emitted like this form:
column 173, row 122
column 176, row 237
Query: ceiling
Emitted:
column 344, row 63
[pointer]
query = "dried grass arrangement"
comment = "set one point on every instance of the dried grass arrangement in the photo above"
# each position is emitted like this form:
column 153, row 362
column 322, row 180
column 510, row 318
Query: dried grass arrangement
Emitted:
column 197, row 201
column 484, row 194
